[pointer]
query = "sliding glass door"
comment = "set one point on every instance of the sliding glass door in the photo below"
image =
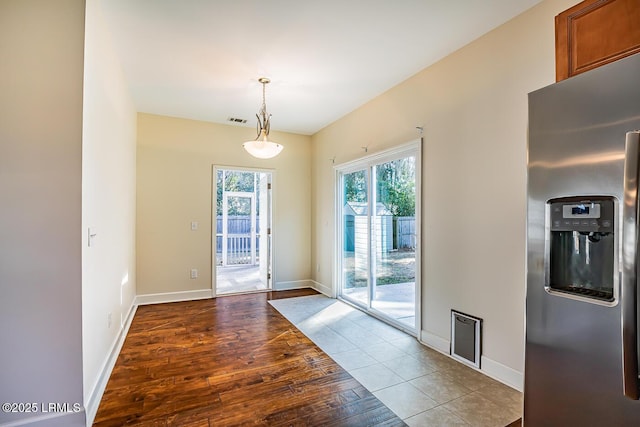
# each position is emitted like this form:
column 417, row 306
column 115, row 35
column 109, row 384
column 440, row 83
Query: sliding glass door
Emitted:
column 379, row 234
column 394, row 260
column 355, row 253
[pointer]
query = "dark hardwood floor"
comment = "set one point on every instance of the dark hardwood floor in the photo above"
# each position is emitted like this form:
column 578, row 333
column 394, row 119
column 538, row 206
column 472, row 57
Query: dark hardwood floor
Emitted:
column 230, row 361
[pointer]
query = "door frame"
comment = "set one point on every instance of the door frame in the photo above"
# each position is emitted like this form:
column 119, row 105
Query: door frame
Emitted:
column 225, row 225
column 411, row 148
column 271, row 209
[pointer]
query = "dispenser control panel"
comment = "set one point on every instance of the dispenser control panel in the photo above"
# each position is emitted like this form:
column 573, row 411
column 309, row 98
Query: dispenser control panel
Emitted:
column 593, row 215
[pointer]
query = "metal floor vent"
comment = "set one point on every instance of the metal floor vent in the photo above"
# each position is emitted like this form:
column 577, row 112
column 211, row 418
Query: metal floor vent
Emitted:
column 236, row 120
column 466, row 338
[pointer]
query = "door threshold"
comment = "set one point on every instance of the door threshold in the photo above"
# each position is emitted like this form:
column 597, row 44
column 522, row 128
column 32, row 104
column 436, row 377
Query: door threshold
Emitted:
column 380, row 316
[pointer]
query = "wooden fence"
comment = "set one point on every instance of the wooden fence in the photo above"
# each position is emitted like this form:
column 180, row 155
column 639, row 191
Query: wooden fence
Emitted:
column 404, row 234
column 239, row 237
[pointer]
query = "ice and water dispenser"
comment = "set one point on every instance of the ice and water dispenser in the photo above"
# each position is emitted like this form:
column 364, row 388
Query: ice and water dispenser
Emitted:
column 580, row 247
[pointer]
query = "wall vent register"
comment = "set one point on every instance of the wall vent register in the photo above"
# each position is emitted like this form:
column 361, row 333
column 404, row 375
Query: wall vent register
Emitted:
column 466, row 338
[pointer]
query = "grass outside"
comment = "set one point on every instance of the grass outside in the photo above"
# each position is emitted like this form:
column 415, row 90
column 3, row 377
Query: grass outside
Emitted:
column 391, row 267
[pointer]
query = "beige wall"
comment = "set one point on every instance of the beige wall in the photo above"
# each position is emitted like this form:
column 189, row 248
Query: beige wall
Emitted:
column 108, row 205
column 41, row 68
column 473, row 107
column 174, row 187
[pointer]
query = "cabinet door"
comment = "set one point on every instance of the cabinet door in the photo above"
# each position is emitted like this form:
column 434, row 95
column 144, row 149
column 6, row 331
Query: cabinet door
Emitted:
column 594, row 33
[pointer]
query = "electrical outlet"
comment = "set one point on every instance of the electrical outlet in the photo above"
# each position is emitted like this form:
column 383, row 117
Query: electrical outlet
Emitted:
column 109, row 320
column 194, row 225
column 194, row 273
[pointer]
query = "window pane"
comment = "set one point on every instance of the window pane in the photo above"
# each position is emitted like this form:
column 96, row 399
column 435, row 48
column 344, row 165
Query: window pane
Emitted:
column 393, row 228
column 356, row 237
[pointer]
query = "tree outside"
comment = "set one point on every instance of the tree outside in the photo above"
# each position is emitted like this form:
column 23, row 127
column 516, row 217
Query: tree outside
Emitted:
column 234, row 181
column 395, row 186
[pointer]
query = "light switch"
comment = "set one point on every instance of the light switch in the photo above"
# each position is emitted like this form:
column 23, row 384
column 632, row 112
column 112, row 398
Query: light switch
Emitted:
column 194, row 225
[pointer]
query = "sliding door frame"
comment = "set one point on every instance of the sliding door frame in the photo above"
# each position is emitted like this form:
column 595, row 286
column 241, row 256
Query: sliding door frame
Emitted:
column 412, row 148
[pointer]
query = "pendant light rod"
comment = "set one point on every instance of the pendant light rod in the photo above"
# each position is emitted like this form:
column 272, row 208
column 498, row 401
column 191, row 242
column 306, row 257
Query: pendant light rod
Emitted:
column 261, row 147
column 264, row 122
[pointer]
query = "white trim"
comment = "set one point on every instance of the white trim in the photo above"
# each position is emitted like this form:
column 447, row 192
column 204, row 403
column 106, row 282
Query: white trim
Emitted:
column 323, row 289
column 303, row 284
column 435, row 342
column 293, row 284
column 173, row 297
column 367, row 163
column 380, row 156
column 272, row 201
column 338, row 232
column 93, row 402
column 503, row 373
column 419, row 237
column 225, row 225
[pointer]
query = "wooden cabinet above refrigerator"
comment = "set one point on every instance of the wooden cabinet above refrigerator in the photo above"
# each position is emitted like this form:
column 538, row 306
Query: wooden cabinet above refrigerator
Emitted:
column 596, row 32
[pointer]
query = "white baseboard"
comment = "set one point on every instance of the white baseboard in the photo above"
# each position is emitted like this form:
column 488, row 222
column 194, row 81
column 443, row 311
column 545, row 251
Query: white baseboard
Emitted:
column 489, row 367
column 173, row 297
column 302, row 284
column 502, row 373
column 435, row 342
column 93, row 402
column 294, row 284
column 323, row 289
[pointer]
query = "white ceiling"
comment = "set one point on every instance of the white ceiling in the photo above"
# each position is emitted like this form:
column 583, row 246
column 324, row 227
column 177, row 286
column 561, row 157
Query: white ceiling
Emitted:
column 201, row 59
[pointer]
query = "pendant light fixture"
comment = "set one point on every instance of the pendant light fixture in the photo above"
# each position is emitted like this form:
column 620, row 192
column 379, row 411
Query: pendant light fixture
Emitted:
column 261, row 147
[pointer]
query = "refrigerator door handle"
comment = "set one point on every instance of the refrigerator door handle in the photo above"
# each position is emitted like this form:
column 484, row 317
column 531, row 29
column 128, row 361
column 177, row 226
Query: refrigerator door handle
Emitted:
column 629, row 279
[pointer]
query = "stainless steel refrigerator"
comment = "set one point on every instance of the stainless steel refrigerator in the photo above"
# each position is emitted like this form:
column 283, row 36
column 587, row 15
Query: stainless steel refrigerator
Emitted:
column 581, row 358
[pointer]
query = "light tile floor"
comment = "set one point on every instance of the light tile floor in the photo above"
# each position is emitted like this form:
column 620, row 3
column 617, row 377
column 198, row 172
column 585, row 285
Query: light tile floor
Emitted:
column 422, row 386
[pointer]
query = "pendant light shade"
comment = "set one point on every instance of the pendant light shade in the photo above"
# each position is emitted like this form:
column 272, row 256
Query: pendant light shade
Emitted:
column 261, row 147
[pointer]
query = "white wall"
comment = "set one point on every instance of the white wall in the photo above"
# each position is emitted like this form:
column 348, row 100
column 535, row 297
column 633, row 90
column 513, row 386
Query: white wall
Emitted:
column 473, row 107
column 108, row 206
column 175, row 159
column 41, row 69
